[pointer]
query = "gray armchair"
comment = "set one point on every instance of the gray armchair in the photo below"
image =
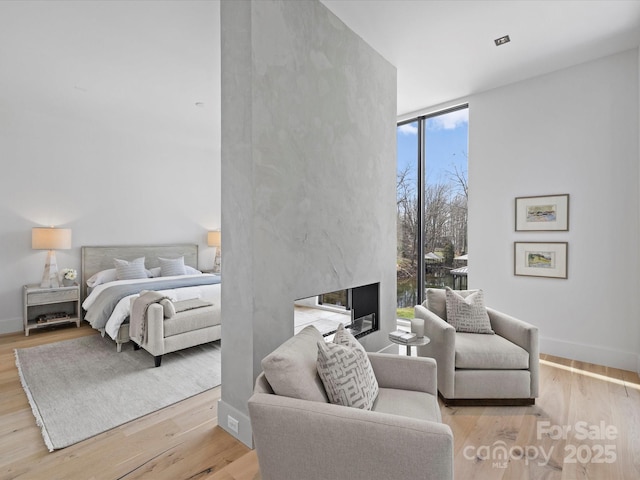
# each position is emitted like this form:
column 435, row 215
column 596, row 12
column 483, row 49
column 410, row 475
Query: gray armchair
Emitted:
column 402, row 436
column 481, row 369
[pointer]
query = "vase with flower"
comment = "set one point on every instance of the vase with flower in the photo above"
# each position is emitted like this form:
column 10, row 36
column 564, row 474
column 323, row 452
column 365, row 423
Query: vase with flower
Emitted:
column 69, row 276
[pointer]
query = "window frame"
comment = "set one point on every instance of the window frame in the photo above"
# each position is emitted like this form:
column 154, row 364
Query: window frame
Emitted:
column 421, row 185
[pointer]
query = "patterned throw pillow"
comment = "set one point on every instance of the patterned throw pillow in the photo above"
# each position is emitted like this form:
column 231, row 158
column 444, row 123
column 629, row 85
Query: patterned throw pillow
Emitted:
column 468, row 314
column 346, row 372
column 344, row 337
column 437, row 301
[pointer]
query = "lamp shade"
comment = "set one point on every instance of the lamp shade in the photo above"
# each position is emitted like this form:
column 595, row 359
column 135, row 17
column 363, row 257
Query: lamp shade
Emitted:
column 214, row 238
column 51, row 238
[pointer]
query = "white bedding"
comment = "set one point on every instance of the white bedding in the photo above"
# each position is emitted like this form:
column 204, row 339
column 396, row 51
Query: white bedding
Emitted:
column 120, row 313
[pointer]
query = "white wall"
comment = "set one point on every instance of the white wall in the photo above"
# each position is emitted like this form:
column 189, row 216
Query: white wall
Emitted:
column 574, row 131
column 110, row 183
column 308, row 160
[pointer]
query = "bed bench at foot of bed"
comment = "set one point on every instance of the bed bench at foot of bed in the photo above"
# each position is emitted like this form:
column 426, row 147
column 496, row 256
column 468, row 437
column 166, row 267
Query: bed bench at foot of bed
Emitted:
column 183, row 330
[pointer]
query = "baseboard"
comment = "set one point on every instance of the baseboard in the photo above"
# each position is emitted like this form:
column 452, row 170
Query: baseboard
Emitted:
column 244, row 433
column 11, row 325
column 591, row 354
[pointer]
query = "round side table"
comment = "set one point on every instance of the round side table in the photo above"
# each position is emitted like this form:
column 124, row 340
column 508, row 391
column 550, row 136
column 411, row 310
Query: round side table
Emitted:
column 418, row 342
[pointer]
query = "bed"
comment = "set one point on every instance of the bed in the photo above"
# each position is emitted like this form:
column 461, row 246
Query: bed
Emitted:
column 106, row 303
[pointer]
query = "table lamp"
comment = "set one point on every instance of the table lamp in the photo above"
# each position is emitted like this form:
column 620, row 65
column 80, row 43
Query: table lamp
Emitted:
column 50, row 239
column 214, row 239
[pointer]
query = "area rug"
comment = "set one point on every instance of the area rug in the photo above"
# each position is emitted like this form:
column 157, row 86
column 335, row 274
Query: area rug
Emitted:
column 82, row 387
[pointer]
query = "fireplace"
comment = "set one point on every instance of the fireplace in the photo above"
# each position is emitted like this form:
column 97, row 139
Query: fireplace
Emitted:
column 357, row 308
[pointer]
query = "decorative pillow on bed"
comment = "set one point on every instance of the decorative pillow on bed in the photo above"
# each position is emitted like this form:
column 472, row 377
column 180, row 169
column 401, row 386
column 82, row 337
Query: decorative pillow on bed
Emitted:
column 130, row 270
column 170, row 267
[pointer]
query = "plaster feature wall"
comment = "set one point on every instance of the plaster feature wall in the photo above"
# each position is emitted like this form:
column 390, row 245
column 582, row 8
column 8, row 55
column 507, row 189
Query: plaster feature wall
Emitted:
column 574, row 131
column 308, row 168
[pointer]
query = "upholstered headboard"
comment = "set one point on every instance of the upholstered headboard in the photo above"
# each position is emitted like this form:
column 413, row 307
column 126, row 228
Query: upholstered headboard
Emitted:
column 95, row 259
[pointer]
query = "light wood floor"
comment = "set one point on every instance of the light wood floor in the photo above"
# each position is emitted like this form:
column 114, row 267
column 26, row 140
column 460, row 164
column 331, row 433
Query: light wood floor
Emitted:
column 184, row 442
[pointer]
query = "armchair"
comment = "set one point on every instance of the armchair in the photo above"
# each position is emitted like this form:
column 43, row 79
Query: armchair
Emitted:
column 300, row 435
column 481, row 369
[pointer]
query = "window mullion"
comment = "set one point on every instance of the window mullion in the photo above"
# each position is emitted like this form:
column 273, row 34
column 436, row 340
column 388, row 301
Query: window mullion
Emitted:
column 421, row 209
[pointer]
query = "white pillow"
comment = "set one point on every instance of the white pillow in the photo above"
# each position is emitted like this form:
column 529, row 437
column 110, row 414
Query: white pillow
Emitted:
column 155, row 272
column 101, row 277
column 130, row 270
column 170, row 267
column 109, row 275
column 468, row 314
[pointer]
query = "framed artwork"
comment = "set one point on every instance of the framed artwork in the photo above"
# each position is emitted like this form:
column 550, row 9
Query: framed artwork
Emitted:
column 543, row 213
column 538, row 259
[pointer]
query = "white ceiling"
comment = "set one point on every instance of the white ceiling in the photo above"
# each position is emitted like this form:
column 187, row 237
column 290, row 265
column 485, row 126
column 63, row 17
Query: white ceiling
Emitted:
column 150, row 61
column 126, row 64
column 445, row 50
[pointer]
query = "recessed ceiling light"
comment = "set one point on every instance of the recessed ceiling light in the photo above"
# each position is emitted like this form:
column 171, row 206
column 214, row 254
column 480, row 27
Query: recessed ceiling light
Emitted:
column 502, row 40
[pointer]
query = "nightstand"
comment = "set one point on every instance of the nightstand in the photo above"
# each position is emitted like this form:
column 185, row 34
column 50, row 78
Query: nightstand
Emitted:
column 44, row 307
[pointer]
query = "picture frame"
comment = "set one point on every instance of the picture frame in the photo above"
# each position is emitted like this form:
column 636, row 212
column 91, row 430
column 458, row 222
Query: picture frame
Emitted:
column 541, row 259
column 543, row 213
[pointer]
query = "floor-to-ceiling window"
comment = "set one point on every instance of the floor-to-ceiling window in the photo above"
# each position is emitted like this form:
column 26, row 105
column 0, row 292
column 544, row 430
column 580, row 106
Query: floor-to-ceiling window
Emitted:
column 431, row 204
column 407, row 215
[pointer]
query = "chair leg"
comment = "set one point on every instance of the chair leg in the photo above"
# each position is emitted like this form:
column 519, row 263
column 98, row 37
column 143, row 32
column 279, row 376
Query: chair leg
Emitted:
column 158, row 359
